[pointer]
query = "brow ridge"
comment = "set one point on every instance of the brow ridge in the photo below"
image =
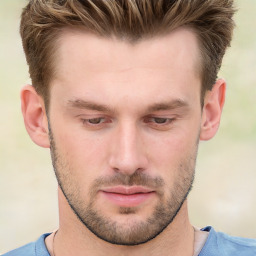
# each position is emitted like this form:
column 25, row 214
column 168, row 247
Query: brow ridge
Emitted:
column 82, row 104
column 167, row 105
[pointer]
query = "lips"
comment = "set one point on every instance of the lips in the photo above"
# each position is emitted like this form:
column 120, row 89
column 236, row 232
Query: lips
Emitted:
column 127, row 196
column 127, row 190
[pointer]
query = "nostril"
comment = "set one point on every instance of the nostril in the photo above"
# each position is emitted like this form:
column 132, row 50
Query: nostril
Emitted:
column 116, row 169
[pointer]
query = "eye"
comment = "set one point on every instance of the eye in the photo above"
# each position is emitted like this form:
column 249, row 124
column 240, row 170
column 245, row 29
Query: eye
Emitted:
column 160, row 120
column 95, row 122
column 159, row 123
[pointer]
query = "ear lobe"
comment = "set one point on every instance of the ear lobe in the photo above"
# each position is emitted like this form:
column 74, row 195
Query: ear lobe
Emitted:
column 34, row 115
column 213, row 105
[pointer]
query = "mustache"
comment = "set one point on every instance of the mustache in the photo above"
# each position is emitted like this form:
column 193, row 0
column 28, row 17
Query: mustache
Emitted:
column 138, row 178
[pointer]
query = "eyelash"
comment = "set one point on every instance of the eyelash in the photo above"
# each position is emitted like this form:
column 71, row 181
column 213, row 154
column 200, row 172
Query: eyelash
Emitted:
column 90, row 121
column 160, row 119
column 157, row 122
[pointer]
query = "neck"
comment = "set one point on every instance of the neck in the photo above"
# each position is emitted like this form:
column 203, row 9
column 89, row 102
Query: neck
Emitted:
column 73, row 238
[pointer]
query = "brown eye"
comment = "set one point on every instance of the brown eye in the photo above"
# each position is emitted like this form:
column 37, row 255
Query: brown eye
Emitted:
column 159, row 120
column 96, row 120
column 96, row 123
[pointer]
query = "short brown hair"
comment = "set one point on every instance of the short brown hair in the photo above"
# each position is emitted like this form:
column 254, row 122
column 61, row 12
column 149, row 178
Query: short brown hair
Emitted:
column 132, row 20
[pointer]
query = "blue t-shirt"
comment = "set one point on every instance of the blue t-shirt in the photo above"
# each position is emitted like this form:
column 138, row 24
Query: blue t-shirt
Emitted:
column 217, row 244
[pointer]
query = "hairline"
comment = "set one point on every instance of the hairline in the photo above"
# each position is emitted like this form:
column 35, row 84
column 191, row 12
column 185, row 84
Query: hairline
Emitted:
column 53, row 58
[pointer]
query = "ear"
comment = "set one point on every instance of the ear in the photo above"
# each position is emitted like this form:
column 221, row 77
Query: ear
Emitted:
column 213, row 105
column 34, row 114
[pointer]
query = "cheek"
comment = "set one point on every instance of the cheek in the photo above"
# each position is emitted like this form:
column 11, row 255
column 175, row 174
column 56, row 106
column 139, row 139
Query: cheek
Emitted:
column 172, row 147
column 172, row 151
column 166, row 156
column 80, row 161
column 81, row 152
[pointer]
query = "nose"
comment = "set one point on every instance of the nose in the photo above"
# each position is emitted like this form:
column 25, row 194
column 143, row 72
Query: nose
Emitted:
column 128, row 152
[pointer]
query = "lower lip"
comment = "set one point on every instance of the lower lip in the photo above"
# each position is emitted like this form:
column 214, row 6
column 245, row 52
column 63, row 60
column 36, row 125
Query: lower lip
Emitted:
column 128, row 200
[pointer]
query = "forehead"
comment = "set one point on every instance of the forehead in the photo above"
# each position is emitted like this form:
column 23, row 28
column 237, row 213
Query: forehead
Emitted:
column 179, row 49
column 113, row 71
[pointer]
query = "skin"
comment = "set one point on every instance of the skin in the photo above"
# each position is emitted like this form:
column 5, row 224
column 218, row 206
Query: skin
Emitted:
column 139, row 85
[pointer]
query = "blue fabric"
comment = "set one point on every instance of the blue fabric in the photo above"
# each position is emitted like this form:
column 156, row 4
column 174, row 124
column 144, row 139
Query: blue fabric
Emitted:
column 222, row 244
column 217, row 244
column 37, row 248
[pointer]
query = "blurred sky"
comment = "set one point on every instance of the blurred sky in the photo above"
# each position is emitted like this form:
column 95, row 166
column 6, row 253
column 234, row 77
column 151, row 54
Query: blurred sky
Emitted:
column 224, row 193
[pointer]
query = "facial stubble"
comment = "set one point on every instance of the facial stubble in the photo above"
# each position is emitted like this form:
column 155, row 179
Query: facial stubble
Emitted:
column 109, row 230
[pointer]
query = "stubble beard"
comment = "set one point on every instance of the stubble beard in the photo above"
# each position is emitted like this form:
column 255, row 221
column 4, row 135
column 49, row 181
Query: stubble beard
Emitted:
column 109, row 230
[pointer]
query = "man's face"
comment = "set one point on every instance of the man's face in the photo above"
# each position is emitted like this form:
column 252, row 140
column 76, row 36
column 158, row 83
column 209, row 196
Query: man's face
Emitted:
column 124, row 125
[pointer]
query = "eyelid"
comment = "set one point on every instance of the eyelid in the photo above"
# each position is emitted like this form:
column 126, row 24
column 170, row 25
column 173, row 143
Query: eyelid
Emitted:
column 150, row 120
column 160, row 117
column 95, row 118
column 103, row 121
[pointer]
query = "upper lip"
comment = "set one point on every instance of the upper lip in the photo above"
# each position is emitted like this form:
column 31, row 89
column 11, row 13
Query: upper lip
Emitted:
column 127, row 190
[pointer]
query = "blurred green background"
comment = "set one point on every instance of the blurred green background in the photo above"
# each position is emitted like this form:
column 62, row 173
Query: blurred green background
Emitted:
column 224, row 193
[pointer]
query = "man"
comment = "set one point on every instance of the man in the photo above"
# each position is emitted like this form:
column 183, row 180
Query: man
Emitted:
column 123, row 90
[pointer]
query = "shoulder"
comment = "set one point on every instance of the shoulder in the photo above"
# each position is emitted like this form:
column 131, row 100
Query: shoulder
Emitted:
column 236, row 245
column 28, row 250
column 219, row 243
column 36, row 248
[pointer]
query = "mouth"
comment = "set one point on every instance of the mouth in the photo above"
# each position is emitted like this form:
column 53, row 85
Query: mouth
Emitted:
column 127, row 196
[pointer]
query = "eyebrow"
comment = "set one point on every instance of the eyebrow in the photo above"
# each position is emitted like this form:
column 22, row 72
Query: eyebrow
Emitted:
column 82, row 104
column 168, row 105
